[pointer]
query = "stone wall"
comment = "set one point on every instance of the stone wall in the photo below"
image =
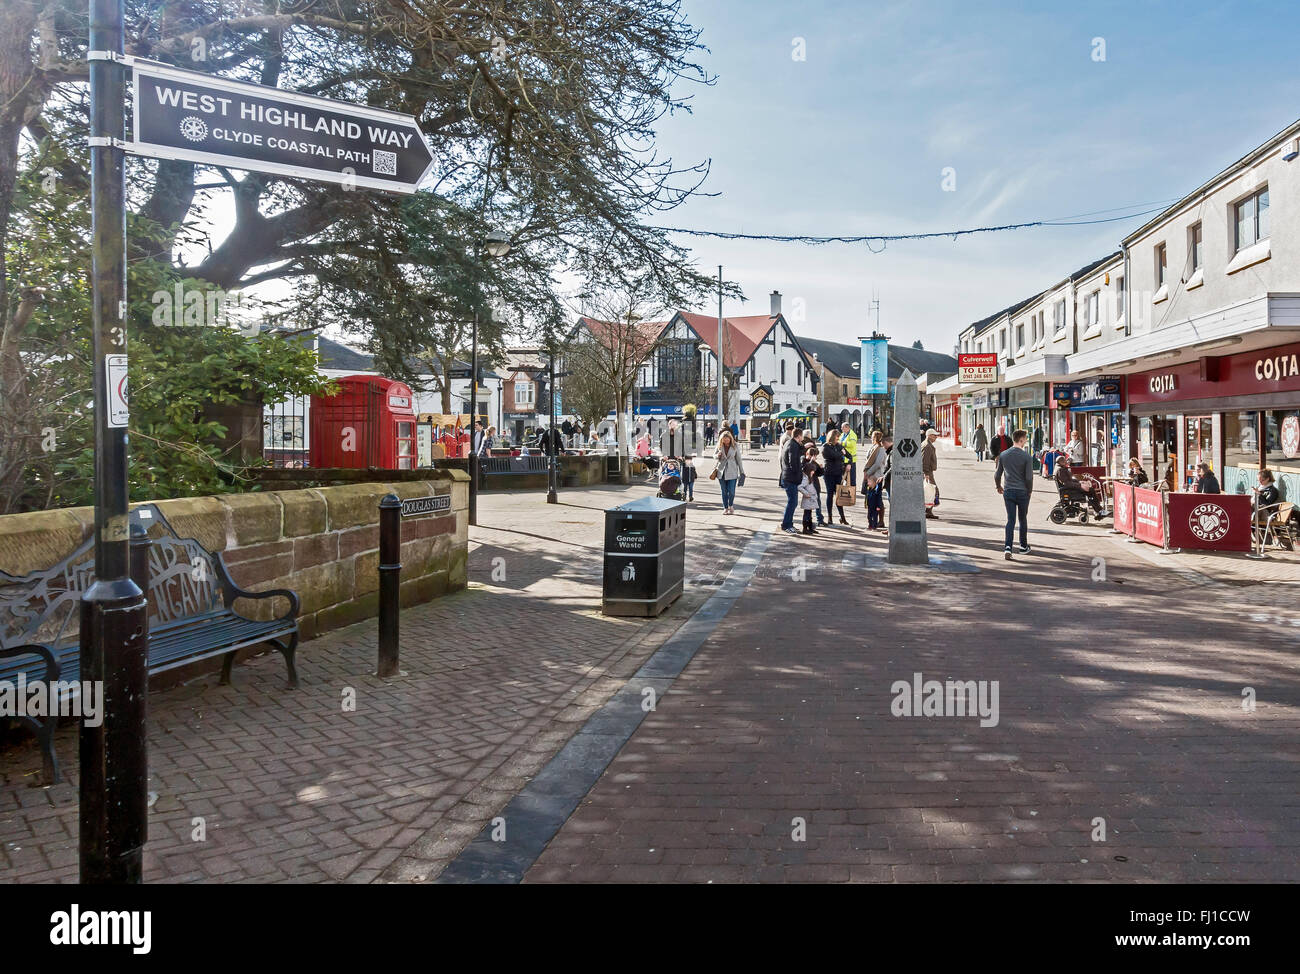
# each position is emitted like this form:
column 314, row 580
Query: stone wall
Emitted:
column 323, row 543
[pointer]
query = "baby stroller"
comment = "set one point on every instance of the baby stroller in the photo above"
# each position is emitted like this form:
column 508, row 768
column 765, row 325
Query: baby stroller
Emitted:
column 670, row 479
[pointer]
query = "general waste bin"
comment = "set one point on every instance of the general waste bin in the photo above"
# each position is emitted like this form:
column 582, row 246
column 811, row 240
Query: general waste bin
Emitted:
column 645, row 556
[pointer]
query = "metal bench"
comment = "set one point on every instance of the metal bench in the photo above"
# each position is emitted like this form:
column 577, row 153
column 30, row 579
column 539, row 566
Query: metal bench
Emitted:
column 497, row 466
column 191, row 616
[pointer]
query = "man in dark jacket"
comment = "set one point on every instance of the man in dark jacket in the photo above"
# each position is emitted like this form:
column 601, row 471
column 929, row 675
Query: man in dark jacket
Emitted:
column 791, row 477
column 550, row 442
column 1013, row 475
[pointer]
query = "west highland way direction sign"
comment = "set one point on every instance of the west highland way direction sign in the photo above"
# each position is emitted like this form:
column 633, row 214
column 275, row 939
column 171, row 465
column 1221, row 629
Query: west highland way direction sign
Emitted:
column 201, row 118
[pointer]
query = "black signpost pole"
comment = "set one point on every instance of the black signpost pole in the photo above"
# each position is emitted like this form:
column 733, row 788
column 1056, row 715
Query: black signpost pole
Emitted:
column 390, row 581
column 553, row 450
column 114, row 622
column 472, row 463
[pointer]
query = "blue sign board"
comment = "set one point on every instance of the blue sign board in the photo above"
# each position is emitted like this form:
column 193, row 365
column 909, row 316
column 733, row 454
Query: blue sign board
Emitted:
column 1102, row 394
column 874, row 367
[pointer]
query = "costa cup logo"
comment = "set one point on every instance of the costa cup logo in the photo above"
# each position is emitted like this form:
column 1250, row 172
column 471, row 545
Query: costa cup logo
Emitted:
column 1121, row 506
column 1209, row 522
column 1291, row 436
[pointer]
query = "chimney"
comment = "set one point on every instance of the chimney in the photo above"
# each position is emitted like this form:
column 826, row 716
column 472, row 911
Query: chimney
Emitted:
column 776, row 303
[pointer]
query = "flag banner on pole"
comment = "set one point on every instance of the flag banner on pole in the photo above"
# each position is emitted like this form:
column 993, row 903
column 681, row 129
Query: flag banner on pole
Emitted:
column 874, row 368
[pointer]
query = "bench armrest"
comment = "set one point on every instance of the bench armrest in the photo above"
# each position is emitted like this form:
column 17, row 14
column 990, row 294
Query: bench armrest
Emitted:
column 230, row 591
column 235, row 592
column 52, row 665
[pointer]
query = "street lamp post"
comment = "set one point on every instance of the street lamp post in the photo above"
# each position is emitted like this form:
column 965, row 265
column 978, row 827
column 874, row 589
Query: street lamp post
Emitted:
column 551, row 450
column 496, row 244
column 114, row 630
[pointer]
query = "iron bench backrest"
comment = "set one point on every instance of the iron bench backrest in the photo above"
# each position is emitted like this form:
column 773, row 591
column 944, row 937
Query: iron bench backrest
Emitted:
column 185, row 579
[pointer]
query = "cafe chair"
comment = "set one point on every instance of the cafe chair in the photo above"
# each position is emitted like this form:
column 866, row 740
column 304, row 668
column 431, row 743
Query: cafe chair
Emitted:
column 1275, row 527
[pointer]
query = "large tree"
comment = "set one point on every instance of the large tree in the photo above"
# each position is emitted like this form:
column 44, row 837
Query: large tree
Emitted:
column 541, row 115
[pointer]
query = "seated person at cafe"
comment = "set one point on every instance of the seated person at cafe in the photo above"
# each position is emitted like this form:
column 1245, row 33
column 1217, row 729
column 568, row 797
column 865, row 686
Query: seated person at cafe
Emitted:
column 1137, row 476
column 1266, row 495
column 1206, row 482
column 1066, row 480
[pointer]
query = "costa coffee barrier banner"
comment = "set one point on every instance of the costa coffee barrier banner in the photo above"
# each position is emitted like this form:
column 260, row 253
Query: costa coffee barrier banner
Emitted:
column 1217, row 522
column 1148, row 516
column 1123, row 504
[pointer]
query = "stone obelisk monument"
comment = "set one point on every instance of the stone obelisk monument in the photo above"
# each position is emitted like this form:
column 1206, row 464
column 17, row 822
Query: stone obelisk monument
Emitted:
column 908, row 544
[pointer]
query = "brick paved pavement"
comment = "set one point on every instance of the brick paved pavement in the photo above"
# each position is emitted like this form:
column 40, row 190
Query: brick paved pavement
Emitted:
column 1119, row 700
column 292, row 788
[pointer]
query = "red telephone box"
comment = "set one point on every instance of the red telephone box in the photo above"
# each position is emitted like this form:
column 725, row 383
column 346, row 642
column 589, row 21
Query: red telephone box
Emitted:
column 369, row 423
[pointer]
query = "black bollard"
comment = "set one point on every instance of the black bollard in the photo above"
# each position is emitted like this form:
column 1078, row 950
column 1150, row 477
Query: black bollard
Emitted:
column 141, row 543
column 390, row 580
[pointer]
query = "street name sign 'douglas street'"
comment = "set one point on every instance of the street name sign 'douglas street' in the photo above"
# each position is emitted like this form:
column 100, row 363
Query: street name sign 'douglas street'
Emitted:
column 205, row 119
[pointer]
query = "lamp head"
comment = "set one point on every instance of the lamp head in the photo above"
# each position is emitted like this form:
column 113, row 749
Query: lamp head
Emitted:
column 497, row 244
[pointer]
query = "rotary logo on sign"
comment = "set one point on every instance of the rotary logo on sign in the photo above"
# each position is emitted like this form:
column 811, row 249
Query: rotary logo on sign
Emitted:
column 1209, row 522
column 194, row 128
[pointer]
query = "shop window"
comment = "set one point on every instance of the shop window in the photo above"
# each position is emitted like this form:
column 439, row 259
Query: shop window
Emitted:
column 1197, row 447
column 1241, row 439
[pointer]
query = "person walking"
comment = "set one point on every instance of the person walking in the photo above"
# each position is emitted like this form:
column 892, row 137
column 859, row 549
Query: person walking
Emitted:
column 672, row 441
column 873, row 479
column 999, row 443
column 791, row 477
column 730, row 470
column 888, row 443
column 980, row 441
column 735, row 430
column 849, row 440
column 833, row 457
column 929, row 464
column 810, row 456
column 1013, row 476
column 808, row 497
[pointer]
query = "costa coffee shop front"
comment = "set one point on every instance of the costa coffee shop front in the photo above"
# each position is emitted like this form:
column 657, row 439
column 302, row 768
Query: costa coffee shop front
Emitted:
column 1237, row 412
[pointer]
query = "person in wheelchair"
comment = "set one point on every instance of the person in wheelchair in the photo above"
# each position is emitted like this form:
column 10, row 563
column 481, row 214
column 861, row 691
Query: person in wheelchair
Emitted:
column 1070, row 488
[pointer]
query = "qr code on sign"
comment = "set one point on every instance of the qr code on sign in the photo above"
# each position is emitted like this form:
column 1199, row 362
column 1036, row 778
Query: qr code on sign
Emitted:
column 384, row 162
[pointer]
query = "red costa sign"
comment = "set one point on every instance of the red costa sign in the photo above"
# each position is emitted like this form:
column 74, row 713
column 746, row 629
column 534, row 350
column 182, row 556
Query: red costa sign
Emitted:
column 1214, row 522
column 1243, row 374
column 1148, row 516
column 1123, row 504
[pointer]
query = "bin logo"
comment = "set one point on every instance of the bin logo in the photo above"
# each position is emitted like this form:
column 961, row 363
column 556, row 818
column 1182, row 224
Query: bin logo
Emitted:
column 1209, row 522
column 629, row 573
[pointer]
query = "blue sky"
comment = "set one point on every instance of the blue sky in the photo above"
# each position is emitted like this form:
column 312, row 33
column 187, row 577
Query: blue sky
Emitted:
column 855, row 138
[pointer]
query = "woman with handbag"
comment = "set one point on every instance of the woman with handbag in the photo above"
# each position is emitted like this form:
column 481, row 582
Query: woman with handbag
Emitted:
column 729, row 471
column 872, row 475
column 833, row 454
